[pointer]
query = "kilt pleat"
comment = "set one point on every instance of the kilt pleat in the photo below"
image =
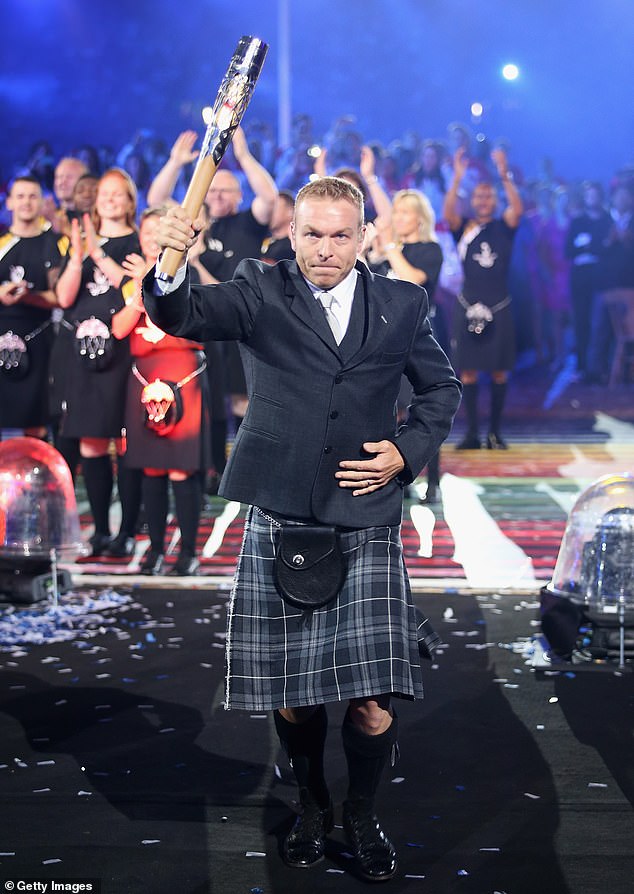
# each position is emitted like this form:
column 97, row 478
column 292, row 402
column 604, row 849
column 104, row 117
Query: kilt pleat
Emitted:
column 363, row 643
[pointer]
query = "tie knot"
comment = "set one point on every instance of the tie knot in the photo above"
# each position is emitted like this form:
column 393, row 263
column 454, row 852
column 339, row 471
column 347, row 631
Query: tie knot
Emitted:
column 327, row 299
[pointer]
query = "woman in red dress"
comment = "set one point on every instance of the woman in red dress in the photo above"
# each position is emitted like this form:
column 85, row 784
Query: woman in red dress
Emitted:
column 166, row 419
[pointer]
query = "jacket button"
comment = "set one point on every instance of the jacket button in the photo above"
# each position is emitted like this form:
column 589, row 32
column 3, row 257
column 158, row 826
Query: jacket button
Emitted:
column 338, row 380
column 334, row 414
column 327, row 449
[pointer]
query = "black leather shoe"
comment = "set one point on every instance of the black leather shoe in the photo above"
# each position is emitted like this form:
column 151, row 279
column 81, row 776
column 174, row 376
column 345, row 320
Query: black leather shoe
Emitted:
column 152, row 563
column 432, row 495
column 469, row 442
column 99, row 544
column 306, row 842
column 184, row 566
column 121, row 547
column 495, row 442
column 372, row 849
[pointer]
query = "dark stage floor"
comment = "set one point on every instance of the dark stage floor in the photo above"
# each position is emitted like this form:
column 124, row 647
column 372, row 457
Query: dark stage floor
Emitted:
column 118, row 762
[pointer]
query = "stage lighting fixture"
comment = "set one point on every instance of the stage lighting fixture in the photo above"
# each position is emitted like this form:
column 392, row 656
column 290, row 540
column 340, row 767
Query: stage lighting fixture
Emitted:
column 510, row 72
column 39, row 523
column 592, row 588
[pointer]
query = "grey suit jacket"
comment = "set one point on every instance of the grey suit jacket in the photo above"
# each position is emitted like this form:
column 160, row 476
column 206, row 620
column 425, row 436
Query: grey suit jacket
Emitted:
column 308, row 407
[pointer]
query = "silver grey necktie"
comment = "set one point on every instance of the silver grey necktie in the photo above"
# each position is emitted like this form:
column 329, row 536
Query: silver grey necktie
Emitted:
column 327, row 299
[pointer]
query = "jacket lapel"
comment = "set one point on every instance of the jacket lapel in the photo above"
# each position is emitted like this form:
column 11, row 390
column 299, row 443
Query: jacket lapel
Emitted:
column 378, row 304
column 304, row 305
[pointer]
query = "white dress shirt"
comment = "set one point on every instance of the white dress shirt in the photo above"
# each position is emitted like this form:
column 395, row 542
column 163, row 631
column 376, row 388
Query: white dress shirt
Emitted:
column 343, row 295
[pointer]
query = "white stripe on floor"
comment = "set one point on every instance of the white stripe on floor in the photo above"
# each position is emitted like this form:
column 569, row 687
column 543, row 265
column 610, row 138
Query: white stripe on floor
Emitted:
column 424, row 522
column 618, row 447
column 221, row 523
column 487, row 555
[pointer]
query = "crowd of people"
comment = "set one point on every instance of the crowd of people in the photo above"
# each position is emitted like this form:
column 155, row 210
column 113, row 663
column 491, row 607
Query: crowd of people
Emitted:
column 295, row 346
column 79, row 360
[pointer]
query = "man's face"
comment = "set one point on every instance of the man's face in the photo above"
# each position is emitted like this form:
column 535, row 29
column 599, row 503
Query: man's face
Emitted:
column 223, row 196
column 429, row 158
column 592, row 198
column 282, row 217
column 67, row 173
column 25, row 202
column 85, row 194
column 484, row 201
column 326, row 236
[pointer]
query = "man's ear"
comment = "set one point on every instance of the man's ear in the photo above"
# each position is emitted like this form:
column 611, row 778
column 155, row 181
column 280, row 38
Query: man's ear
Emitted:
column 292, row 234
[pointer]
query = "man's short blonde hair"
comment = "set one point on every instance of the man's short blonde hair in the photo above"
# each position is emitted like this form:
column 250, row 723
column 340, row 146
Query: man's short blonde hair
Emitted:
column 335, row 189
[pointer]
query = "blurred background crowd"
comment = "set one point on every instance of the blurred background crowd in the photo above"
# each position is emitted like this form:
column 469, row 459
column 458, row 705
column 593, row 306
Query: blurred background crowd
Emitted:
column 540, row 268
column 95, row 207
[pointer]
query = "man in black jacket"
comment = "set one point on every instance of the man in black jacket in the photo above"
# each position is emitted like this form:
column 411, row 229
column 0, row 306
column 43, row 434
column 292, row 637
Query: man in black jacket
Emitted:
column 324, row 344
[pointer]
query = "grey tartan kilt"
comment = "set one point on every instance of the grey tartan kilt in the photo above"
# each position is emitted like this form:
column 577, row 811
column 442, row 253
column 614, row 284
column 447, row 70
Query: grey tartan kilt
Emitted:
column 363, row 643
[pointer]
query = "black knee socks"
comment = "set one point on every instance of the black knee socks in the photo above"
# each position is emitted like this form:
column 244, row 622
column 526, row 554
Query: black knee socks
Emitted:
column 155, row 500
column 187, row 497
column 470, row 402
column 97, row 473
column 219, row 444
column 366, row 757
column 304, row 746
column 498, row 398
column 69, row 448
column 129, row 483
column 433, row 470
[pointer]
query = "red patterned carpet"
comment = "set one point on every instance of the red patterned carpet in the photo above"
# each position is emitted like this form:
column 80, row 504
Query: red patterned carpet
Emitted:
column 502, row 514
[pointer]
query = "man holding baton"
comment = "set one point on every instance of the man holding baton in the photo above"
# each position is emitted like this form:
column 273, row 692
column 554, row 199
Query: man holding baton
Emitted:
column 319, row 458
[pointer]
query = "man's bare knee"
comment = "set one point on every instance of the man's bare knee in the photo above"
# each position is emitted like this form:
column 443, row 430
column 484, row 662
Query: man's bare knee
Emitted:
column 371, row 715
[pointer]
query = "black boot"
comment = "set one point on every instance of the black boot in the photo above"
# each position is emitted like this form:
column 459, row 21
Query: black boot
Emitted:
column 304, row 744
column 498, row 398
column 97, row 474
column 366, row 757
column 129, row 483
column 69, row 448
column 471, row 440
column 187, row 498
column 155, row 500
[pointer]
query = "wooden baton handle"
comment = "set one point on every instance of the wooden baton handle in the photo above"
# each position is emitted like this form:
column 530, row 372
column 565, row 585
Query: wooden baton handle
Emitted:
column 171, row 259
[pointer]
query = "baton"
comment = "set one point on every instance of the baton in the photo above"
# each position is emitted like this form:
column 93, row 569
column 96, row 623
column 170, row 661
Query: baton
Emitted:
column 234, row 95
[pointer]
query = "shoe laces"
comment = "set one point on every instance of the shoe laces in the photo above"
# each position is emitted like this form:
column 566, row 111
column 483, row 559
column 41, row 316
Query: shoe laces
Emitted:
column 311, row 823
column 368, row 834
